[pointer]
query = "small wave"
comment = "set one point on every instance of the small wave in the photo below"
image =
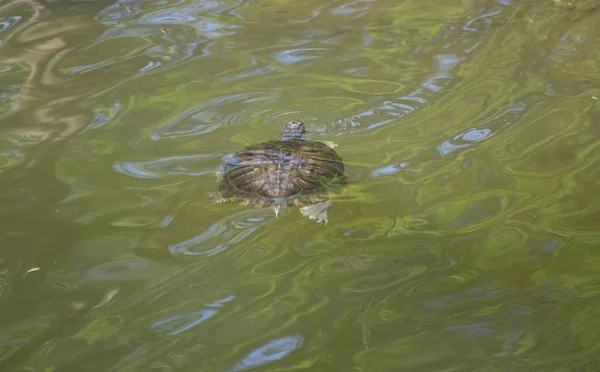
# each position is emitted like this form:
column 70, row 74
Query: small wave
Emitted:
column 223, row 234
column 164, row 167
column 274, row 350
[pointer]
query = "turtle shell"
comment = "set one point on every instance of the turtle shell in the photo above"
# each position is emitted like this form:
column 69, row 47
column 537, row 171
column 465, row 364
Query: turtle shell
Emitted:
column 283, row 173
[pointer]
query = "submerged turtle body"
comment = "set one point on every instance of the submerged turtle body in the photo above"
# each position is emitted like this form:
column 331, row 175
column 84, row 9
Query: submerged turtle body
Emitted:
column 288, row 172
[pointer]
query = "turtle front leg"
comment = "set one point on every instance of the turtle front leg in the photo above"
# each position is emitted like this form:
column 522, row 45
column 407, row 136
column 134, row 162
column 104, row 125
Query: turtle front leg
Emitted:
column 221, row 173
column 317, row 212
column 214, row 196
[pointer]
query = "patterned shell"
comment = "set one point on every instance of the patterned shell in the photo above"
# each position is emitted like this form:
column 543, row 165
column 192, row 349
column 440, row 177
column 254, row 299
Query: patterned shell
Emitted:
column 283, row 172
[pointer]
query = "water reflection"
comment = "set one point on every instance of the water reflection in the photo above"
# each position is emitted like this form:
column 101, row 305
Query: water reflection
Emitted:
column 47, row 105
column 467, row 129
column 272, row 351
column 183, row 322
column 164, row 167
column 224, row 233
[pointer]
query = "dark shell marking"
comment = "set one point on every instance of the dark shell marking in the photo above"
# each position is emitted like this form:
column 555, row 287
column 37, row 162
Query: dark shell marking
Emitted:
column 283, row 173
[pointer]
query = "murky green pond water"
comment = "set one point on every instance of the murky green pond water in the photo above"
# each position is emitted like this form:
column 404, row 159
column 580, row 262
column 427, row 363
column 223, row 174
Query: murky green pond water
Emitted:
column 467, row 240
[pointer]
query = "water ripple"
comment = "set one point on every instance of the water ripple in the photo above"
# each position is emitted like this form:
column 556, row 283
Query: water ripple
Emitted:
column 201, row 119
column 168, row 166
column 223, row 234
column 468, row 131
column 177, row 324
column 291, row 56
column 273, row 350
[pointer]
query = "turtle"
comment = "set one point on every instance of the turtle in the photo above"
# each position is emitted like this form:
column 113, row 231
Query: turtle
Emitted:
column 291, row 171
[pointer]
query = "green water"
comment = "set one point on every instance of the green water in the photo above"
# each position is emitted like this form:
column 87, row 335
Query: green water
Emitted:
column 467, row 239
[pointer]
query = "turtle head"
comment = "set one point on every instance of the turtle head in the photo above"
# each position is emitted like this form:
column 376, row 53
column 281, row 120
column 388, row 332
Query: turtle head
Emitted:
column 293, row 129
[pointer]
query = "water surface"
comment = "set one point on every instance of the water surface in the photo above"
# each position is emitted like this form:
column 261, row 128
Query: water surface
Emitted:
column 467, row 240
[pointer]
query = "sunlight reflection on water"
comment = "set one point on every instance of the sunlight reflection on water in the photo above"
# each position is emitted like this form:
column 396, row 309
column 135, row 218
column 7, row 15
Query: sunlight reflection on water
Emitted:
column 468, row 133
column 270, row 352
column 221, row 235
